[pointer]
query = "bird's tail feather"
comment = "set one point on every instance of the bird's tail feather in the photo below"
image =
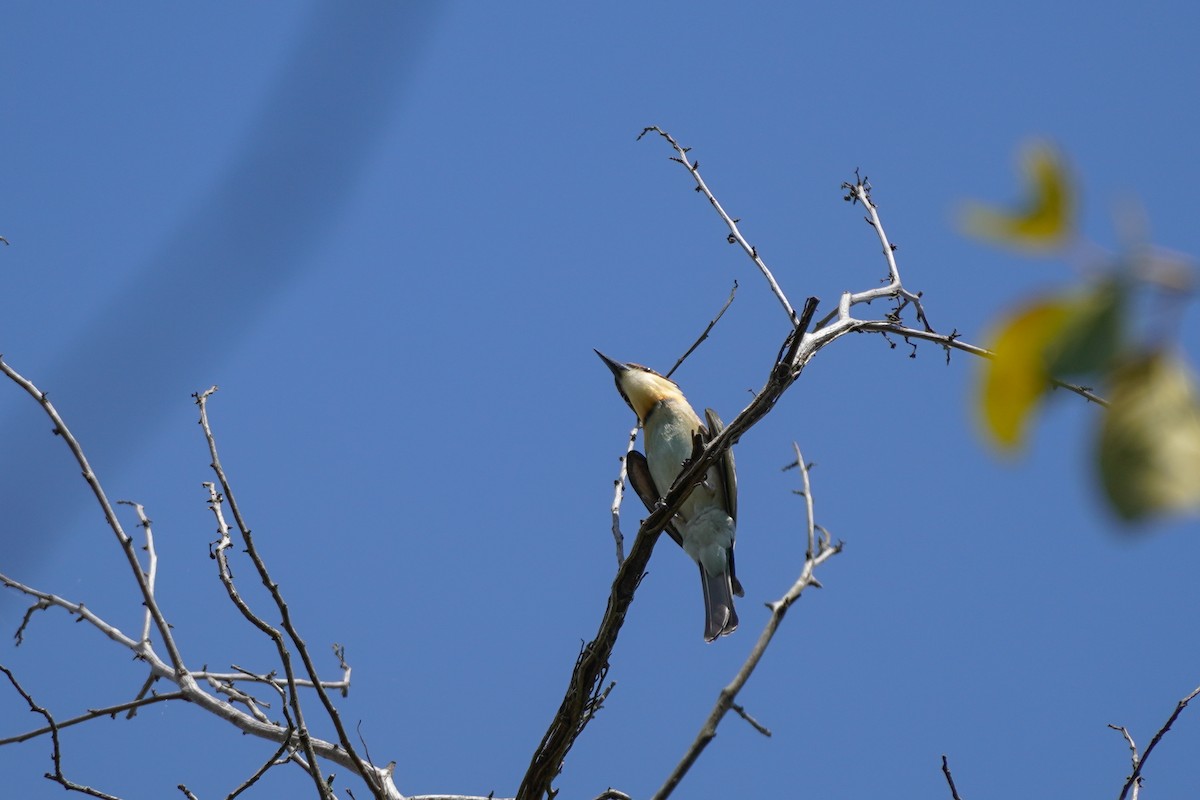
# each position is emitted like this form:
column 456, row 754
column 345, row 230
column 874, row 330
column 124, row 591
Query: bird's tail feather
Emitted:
column 720, row 617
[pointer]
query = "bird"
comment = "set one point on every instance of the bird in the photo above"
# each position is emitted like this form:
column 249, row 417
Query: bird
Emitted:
column 706, row 523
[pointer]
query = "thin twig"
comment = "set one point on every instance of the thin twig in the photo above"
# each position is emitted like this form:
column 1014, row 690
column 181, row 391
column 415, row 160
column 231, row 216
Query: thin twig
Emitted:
column 56, row 755
column 273, row 761
column 711, row 324
column 1133, row 757
column 89, row 475
column 267, row 677
column 619, row 497
column 151, row 557
column 735, row 234
column 142, row 648
column 95, row 713
column 758, row 726
column 47, row 600
column 1134, row 779
column 817, row 553
column 293, row 696
column 860, row 192
column 949, row 779
column 952, row 340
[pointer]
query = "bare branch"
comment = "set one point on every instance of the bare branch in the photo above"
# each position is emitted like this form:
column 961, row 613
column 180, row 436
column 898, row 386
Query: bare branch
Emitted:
column 949, row 779
column 860, row 192
column 758, row 726
column 735, row 235
column 47, row 600
column 342, row 685
column 152, row 557
column 619, row 496
column 96, row 713
column 817, row 552
column 372, row 776
column 1133, row 757
column 56, row 755
column 273, row 761
column 1135, row 777
column 60, row 427
column 711, row 324
column 255, row 723
column 952, row 340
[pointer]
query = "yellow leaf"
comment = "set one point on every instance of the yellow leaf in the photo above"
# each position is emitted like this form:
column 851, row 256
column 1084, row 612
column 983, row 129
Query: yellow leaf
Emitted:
column 1044, row 219
column 1149, row 444
column 1015, row 379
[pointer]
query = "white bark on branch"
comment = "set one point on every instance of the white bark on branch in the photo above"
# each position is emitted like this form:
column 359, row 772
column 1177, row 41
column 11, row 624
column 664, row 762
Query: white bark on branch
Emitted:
column 190, row 683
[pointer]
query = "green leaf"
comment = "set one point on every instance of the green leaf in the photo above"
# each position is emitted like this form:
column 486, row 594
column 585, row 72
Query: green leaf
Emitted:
column 1149, row 444
column 1093, row 335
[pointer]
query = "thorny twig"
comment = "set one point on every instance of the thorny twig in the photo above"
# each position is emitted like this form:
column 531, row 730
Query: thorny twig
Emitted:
column 735, row 234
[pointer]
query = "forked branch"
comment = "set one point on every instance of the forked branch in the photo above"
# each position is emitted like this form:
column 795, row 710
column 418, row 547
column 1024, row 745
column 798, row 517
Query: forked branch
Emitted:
column 297, row 745
column 1133, row 783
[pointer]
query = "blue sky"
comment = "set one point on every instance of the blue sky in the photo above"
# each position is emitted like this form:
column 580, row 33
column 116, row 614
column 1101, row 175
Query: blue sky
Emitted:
column 392, row 234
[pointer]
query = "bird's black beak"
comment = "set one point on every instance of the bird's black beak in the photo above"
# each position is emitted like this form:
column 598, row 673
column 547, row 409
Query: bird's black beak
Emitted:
column 616, row 366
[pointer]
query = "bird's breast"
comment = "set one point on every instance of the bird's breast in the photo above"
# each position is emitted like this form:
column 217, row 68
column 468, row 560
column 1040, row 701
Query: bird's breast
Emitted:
column 669, row 431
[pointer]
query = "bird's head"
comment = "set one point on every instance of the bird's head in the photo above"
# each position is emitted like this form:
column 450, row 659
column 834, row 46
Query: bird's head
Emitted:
column 642, row 387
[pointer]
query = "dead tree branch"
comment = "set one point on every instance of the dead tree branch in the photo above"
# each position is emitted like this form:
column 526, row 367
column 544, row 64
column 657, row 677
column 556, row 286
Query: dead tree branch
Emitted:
column 56, row 754
column 818, row 550
column 735, row 234
column 292, row 735
column 1134, row 782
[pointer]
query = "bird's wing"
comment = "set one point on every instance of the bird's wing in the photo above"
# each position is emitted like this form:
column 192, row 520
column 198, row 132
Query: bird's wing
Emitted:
column 643, row 483
column 728, row 473
column 729, row 485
